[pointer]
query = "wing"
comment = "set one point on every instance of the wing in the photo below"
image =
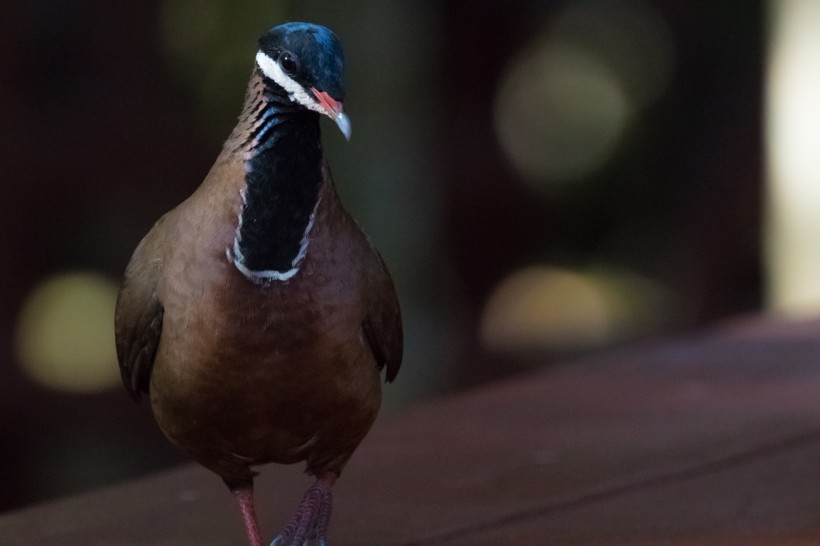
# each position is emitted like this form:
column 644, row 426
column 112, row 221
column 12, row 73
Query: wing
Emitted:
column 138, row 316
column 382, row 326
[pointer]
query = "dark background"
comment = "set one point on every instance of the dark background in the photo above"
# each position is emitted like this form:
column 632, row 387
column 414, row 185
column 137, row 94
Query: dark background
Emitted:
column 111, row 114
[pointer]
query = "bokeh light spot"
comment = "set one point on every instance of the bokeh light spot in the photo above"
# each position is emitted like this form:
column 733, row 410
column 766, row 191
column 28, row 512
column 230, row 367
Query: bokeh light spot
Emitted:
column 793, row 133
column 65, row 333
column 556, row 309
column 544, row 307
column 559, row 113
column 568, row 97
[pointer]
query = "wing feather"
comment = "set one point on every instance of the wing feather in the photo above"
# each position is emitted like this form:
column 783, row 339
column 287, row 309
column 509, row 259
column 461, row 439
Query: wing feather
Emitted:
column 138, row 317
column 382, row 326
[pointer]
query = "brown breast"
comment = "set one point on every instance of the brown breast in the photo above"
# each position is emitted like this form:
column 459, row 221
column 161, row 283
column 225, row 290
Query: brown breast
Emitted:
column 247, row 373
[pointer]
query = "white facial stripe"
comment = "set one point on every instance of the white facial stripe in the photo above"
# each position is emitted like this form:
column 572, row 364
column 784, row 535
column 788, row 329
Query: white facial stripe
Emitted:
column 296, row 92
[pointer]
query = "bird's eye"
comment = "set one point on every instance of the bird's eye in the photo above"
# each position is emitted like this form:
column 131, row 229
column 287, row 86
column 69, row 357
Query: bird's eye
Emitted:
column 288, row 63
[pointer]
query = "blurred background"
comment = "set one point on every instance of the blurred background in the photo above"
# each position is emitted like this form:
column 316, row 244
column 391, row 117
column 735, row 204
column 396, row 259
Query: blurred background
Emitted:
column 544, row 179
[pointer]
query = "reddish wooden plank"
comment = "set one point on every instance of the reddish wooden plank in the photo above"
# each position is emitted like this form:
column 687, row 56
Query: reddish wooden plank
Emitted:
column 772, row 499
column 500, row 458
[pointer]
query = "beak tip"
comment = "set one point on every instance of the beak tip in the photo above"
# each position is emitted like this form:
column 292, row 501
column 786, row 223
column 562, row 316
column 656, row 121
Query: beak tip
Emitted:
column 343, row 122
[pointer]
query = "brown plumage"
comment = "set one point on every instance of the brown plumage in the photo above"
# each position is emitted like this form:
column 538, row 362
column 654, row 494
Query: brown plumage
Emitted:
column 243, row 371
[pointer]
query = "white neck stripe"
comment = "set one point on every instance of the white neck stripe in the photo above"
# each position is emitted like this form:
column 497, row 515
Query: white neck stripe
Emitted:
column 235, row 256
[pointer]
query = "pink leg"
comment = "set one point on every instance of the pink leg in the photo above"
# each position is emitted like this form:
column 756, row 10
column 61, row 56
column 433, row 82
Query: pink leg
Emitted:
column 312, row 516
column 244, row 497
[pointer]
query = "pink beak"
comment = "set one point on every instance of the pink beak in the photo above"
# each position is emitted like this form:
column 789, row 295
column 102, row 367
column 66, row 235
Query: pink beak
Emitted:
column 334, row 110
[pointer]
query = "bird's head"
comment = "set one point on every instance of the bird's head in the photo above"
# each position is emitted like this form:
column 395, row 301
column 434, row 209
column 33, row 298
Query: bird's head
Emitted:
column 306, row 61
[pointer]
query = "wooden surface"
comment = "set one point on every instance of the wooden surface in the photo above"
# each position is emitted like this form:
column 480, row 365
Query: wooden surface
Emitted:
column 710, row 439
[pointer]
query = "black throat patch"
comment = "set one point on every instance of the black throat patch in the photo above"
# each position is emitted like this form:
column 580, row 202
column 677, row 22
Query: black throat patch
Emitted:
column 283, row 175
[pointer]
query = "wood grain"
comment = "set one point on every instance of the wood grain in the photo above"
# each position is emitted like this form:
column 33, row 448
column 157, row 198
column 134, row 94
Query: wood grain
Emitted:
column 708, row 439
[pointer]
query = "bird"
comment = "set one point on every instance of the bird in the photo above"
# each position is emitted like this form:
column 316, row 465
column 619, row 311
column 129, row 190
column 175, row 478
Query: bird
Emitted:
column 256, row 316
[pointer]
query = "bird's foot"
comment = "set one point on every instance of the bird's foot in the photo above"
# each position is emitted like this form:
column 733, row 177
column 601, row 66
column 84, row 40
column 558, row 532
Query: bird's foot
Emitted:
column 312, row 516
